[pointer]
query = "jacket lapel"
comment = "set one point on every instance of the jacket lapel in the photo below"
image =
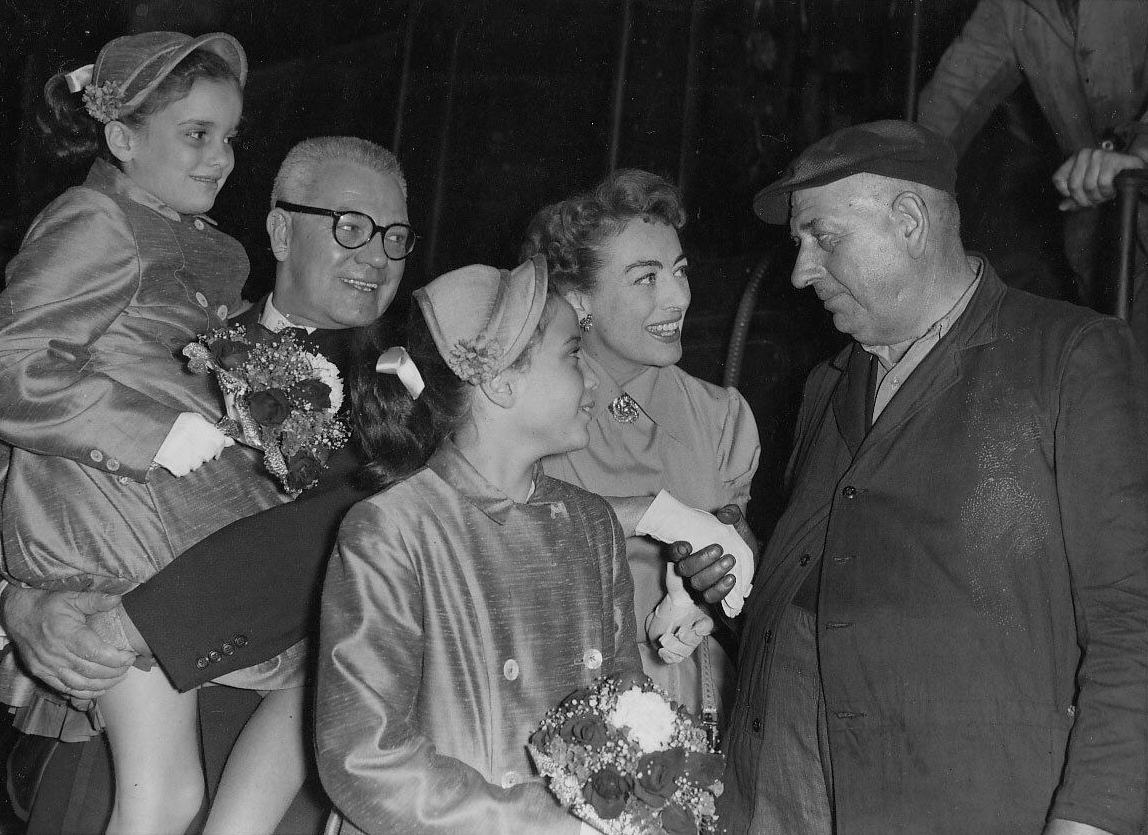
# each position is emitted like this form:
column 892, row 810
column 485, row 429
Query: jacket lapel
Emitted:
column 850, row 398
column 943, row 367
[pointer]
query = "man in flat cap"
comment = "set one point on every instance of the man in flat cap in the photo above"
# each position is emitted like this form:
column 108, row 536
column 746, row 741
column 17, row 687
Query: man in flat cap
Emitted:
column 949, row 629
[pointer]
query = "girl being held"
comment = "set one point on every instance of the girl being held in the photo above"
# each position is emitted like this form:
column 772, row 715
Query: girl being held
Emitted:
column 117, row 465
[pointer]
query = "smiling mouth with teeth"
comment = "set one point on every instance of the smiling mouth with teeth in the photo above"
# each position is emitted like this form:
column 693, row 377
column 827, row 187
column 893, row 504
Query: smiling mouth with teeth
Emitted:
column 365, row 286
column 666, row 330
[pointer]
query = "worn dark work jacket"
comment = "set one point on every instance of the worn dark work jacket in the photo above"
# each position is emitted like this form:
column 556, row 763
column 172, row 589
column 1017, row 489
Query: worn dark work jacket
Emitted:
column 983, row 612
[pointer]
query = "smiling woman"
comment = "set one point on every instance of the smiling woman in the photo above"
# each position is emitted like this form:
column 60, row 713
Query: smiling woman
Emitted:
column 615, row 255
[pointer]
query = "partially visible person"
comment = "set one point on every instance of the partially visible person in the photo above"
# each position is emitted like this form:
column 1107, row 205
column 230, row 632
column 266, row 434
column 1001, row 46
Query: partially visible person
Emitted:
column 1087, row 63
column 949, row 633
column 614, row 254
column 475, row 592
column 248, row 591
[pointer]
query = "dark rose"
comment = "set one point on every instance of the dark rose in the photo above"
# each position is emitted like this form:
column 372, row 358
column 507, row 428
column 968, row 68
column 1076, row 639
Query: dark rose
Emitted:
column 302, row 469
column 269, row 407
column 313, row 393
column 704, row 769
column 259, row 335
column 229, row 354
column 585, row 730
column 656, row 775
column 677, row 821
column 607, row 792
column 541, row 738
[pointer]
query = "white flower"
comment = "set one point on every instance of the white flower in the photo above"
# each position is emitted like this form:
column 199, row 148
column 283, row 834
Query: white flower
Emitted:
column 647, row 715
column 329, row 374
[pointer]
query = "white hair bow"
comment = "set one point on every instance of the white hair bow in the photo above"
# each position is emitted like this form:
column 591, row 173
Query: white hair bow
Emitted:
column 398, row 362
column 79, row 79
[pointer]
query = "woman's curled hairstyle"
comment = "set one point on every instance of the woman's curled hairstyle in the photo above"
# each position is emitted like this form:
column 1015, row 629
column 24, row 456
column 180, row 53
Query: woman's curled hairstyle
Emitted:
column 570, row 233
column 395, row 432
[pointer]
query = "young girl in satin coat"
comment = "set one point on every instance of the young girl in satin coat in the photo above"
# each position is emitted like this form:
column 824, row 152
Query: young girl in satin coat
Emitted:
column 474, row 593
column 116, row 464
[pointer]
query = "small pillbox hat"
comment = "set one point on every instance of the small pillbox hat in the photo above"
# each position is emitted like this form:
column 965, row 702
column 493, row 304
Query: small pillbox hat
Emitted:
column 130, row 67
column 889, row 148
column 481, row 318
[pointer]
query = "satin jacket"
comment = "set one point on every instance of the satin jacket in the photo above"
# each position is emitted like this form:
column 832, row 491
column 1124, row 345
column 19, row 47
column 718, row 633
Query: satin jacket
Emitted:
column 107, row 288
column 453, row 619
column 983, row 613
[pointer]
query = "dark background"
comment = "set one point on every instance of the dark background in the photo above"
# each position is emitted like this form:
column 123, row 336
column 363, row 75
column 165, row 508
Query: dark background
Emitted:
column 496, row 107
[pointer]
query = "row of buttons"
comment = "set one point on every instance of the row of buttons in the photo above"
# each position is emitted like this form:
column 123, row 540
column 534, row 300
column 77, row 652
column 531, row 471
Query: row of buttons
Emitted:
column 98, row 457
column 591, row 660
column 216, row 655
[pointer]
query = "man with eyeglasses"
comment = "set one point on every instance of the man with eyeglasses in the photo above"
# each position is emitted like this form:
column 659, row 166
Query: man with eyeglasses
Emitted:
column 339, row 231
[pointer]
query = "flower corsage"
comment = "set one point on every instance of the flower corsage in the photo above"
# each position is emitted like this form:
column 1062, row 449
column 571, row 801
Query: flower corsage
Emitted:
column 280, row 397
column 622, row 757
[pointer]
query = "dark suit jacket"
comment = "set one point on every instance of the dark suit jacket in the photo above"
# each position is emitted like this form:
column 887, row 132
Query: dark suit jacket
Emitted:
column 983, row 606
column 250, row 590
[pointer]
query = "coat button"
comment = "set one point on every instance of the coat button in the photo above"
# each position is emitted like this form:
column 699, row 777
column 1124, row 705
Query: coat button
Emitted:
column 112, row 465
column 202, row 299
column 592, row 658
column 510, row 780
column 849, row 491
column 198, row 224
column 124, row 480
column 804, row 561
column 221, row 311
column 510, row 669
column 755, row 726
column 214, row 656
column 240, row 641
column 201, row 662
column 228, row 649
column 96, row 455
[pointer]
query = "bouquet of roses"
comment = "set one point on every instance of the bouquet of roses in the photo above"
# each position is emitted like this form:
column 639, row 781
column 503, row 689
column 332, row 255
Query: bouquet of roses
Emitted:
column 622, row 757
column 280, row 397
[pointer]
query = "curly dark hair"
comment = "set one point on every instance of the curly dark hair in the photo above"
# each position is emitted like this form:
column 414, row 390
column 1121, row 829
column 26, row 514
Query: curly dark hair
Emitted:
column 571, row 233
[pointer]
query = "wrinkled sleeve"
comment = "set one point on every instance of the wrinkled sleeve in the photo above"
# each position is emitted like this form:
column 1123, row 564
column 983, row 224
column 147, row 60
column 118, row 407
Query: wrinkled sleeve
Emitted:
column 976, row 73
column 77, row 270
column 1102, row 481
column 379, row 768
column 739, row 449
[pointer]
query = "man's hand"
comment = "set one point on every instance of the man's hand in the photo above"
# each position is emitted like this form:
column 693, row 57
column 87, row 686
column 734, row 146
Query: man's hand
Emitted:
column 50, row 631
column 190, row 443
column 708, row 571
column 1086, row 178
column 670, row 521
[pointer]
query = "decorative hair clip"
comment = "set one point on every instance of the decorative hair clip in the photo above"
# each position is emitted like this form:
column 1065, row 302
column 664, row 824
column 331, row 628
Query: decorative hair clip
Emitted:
column 104, row 101
column 473, row 360
column 398, row 362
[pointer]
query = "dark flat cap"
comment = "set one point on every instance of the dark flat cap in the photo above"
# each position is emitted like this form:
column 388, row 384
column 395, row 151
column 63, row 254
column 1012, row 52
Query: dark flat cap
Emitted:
column 890, row 148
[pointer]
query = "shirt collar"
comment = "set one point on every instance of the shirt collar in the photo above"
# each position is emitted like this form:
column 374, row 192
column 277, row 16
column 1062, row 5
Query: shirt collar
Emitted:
column 106, row 177
column 452, row 466
column 885, row 353
column 654, row 391
column 274, row 320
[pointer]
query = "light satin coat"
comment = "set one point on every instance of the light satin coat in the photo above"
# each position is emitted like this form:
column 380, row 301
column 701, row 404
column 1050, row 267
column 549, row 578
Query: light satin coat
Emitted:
column 453, row 620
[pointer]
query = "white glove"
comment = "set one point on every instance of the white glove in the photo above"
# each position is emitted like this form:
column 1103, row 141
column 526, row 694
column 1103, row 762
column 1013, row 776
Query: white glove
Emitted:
column 668, row 520
column 677, row 624
column 191, row 442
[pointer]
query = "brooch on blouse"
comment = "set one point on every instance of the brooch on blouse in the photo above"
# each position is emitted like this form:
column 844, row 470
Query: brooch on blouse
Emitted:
column 623, row 408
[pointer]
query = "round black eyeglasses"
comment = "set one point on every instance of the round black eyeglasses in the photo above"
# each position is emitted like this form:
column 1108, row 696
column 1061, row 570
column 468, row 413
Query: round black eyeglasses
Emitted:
column 354, row 230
